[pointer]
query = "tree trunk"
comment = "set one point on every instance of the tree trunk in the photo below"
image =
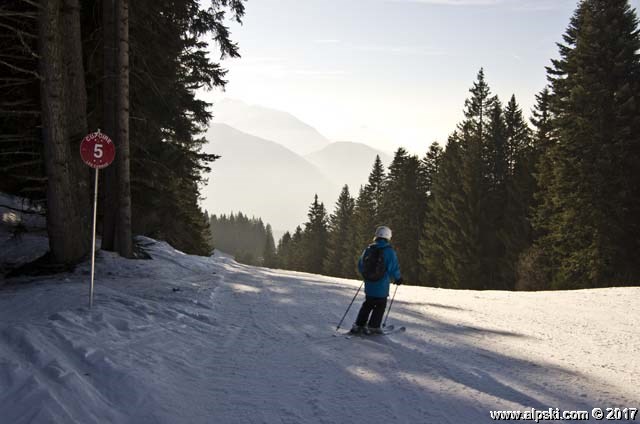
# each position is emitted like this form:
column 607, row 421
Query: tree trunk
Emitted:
column 63, row 120
column 76, row 107
column 116, row 234
column 110, row 198
column 124, row 239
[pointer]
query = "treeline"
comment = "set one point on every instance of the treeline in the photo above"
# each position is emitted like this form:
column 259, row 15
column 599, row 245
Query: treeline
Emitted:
column 247, row 239
column 508, row 205
column 131, row 69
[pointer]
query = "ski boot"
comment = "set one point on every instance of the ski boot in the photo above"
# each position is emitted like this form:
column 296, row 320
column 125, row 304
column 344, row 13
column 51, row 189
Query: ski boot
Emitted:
column 357, row 329
column 374, row 331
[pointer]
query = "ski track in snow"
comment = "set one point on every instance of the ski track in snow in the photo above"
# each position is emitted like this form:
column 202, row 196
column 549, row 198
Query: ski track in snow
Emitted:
column 184, row 339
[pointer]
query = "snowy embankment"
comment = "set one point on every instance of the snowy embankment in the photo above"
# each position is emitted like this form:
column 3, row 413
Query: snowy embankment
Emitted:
column 184, row 339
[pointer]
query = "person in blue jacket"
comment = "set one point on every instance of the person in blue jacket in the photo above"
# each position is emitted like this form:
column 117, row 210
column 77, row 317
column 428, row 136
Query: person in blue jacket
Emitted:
column 372, row 310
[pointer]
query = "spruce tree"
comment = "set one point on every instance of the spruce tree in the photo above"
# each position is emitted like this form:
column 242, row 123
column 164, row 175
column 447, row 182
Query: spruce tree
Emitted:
column 591, row 230
column 459, row 246
column 494, row 199
column 368, row 209
column 479, row 137
column 443, row 246
column 375, row 185
column 430, row 166
column 521, row 186
column 269, row 252
column 315, row 238
column 403, row 210
column 533, row 271
column 518, row 133
column 364, row 222
column 340, row 247
column 63, row 114
column 477, row 109
column 297, row 255
column 541, row 119
column 284, row 251
column 543, row 143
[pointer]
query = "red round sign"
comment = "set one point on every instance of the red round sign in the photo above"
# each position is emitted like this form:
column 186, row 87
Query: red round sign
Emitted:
column 97, row 150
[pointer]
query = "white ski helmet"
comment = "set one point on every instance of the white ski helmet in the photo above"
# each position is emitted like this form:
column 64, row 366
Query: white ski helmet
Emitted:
column 383, row 232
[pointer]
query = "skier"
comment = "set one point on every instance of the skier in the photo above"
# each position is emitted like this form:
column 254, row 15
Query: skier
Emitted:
column 377, row 264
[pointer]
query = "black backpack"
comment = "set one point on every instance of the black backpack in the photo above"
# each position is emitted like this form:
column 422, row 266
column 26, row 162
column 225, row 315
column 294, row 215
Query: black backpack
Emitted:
column 373, row 265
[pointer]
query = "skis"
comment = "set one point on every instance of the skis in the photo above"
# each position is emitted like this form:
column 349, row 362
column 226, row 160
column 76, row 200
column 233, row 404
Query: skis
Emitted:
column 390, row 329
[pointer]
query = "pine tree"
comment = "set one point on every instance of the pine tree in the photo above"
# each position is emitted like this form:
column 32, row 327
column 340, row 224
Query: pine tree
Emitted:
column 543, row 159
column 479, row 136
column 297, row 257
column 375, row 185
column 518, row 133
column 533, row 271
column 368, row 209
column 269, row 251
column 284, row 252
column 116, row 231
column 521, row 186
column 64, row 121
column 430, row 166
column 315, row 238
column 477, row 109
column 458, row 245
column 592, row 232
column 340, row 247
column 364, row 223
column 494, row 199
column 541, row 119
column 443, row 244
column 403, row 206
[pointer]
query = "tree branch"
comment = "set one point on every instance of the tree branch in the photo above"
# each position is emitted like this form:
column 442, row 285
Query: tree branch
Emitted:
column 18, row 31
column 20, row 112
column 18, row 69
column 32, row 3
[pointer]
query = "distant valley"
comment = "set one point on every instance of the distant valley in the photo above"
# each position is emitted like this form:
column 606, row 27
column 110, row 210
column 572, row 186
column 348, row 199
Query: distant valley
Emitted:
column 272, row 179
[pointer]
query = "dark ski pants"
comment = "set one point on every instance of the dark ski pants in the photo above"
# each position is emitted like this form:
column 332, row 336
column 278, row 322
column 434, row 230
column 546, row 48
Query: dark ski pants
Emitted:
column 375, row 307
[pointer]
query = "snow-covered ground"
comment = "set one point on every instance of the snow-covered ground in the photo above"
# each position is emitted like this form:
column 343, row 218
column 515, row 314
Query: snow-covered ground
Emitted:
column 184, row 339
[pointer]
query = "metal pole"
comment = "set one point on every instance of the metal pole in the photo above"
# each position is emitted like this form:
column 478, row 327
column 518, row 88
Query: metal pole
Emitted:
column 93, row 243
column 349, row 307
column 389, row 310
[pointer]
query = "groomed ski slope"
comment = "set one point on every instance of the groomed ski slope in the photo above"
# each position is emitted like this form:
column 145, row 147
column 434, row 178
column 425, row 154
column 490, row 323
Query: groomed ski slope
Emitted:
column 184, row 339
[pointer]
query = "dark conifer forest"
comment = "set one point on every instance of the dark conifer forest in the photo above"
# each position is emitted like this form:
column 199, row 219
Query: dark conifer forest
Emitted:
column 553, row 203
column 131, row 69
column 247, row 239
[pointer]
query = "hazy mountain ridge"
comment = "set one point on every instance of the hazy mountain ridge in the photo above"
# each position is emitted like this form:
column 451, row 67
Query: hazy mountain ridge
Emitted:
column 347, row 162
column 270, row 124
column 281, row 192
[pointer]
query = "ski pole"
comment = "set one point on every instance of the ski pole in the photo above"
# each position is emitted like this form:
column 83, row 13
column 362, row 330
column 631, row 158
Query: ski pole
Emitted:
column 389, row 310
column 349, row 307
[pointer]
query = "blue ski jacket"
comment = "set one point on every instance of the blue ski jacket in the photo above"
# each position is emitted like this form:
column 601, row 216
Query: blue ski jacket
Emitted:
column 380, row 288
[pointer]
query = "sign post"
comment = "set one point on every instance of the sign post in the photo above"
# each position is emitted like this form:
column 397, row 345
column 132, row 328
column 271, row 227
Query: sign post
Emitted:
column 97, row 151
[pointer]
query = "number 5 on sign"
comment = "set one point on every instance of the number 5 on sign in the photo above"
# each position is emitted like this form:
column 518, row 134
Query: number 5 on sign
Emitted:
column 98, row 151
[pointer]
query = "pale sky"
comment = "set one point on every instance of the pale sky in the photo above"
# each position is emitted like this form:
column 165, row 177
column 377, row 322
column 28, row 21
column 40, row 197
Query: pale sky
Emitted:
column 391, row 73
